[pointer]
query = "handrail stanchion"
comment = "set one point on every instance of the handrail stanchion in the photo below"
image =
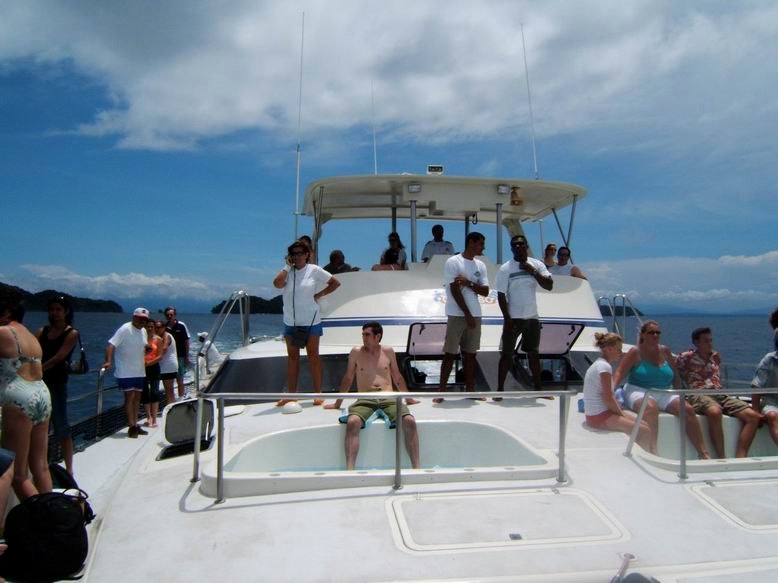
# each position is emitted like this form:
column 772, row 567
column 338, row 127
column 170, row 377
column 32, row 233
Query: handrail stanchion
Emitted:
column 198, row 438
column 682, row 437
column 220, row 454
column 397, row 443
column 99, row 405
column 634, row 435
column 564, row 405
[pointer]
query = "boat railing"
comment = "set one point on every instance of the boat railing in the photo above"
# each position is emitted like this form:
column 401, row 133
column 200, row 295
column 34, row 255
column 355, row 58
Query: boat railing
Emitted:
column 628, row 309
column 682, row 474
column 239, row 298
column 564, row 407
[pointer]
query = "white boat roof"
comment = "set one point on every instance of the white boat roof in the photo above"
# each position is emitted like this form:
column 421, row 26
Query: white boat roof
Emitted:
column 438, row 198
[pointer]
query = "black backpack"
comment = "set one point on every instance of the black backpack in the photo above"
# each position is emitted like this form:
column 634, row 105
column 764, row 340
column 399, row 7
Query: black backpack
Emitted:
column 46, row 537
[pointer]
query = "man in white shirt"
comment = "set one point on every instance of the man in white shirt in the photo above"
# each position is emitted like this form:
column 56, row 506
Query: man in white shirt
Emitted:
column 437, row 246
column 516, row 284
column 127, row 347
column 465, row 281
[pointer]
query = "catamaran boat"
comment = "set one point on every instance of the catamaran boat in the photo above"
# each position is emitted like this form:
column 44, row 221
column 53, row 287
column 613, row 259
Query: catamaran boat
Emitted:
column 232, row 489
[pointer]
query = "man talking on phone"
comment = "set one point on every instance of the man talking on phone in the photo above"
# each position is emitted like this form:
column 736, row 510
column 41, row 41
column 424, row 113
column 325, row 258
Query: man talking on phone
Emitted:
column 516, row 284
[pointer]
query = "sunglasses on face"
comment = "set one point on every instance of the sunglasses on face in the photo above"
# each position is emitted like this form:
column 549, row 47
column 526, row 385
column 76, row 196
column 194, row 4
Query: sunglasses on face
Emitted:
column 297, row 253
column 654, row 333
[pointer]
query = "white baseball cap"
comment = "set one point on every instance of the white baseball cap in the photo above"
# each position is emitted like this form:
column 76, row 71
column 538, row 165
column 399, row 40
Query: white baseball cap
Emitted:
column 140, row 313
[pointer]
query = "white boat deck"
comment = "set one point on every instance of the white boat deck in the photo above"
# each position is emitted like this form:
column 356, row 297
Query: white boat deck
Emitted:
column 155, row 525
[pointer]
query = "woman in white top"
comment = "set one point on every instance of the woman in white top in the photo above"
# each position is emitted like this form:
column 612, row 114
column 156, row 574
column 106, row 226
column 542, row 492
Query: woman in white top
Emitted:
column 602, row 410
column 168, row 365
column 304, row 284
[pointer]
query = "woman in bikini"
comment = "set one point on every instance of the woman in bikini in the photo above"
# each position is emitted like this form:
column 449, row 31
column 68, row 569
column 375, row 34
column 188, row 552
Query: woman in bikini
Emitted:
column 651, row 365
column 25, row 399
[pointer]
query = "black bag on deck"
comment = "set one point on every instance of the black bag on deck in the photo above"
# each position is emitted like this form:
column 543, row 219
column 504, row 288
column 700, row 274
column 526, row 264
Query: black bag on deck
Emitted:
column 46, row 536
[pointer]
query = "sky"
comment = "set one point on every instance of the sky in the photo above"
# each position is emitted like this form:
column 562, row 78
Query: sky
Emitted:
column 149, row 148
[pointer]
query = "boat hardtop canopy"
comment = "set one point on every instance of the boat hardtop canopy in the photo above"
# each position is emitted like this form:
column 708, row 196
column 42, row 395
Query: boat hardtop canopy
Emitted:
column 436, row 197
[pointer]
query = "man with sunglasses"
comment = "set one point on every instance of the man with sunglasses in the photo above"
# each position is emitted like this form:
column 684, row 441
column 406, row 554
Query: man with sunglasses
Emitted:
column 516, row 285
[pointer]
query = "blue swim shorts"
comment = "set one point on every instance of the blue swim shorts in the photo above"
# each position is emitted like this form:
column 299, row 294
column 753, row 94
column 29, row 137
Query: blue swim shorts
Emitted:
column 315, row 330
column 131, row 384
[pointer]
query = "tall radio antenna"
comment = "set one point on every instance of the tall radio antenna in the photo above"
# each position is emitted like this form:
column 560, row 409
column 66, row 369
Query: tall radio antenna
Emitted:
column 299, row 131
column 529, row 100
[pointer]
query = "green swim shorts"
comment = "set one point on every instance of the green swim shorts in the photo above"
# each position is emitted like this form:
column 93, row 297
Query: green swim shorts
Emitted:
column 364, row 408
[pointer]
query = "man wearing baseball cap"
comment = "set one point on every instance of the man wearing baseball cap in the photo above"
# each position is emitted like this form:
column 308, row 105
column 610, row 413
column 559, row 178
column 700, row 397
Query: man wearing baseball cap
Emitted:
column 127, row 347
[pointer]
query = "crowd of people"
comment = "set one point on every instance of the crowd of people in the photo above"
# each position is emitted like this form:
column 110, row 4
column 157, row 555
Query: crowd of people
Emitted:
column 651, row 367
column 644, row 369
column 34, row 373
column 145, row 353
column 374, row 367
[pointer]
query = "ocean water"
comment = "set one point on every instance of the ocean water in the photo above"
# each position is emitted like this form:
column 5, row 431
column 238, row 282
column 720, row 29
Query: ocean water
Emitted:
column 97, row 328
column 742, row 341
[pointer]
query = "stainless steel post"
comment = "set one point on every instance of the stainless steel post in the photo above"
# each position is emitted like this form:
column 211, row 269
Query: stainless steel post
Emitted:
column 198, row 439
column 570, row 224
column 220, row 454
column 394, row 213
column 245, row 319
column 564, row 403
column 397, row 446
column 99, row 404
column 682, row 437
column 634, row 435
column 498, row 238
column 413, row 231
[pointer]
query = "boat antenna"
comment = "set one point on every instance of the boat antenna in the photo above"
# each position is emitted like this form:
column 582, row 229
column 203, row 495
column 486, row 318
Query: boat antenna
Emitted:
column 372, row 117
column 529, row 100
column 299, row 130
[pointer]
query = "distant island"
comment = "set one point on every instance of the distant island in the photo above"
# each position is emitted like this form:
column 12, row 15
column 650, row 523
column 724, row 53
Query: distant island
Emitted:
column 256, row 306
column 37, row 302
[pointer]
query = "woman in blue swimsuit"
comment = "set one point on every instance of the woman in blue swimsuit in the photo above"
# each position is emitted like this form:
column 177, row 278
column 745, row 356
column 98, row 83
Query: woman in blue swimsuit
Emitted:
column 651, row 365
column 25, row 399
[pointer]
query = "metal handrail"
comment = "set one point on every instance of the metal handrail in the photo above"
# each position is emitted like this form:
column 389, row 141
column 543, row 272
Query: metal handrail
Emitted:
column 242, row 299
column 99, row 405
column 564, row 408
column 682, row 418
column 624, row 302
column 612, row 309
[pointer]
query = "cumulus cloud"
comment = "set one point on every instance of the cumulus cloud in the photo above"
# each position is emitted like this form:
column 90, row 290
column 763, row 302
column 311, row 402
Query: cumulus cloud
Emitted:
column 118, row 285
column 178, row 73
column 727, row 281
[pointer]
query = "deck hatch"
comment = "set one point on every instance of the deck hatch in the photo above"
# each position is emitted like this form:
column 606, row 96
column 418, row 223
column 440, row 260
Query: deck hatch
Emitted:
column 514, row 519
column 752, row 504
